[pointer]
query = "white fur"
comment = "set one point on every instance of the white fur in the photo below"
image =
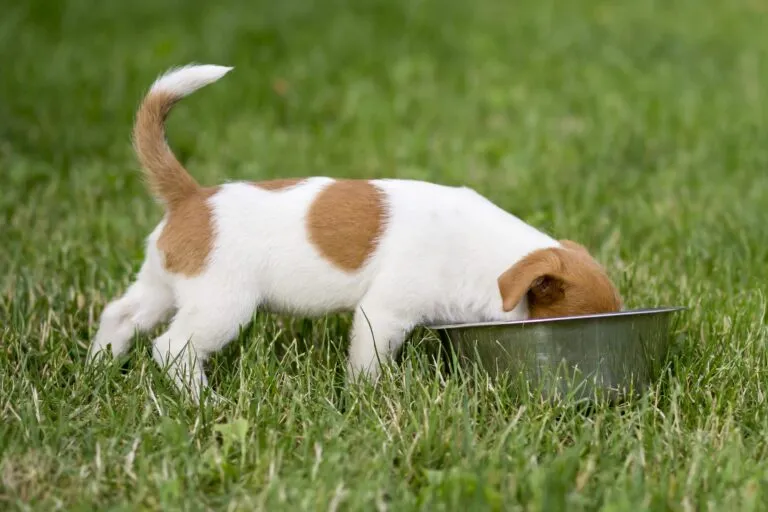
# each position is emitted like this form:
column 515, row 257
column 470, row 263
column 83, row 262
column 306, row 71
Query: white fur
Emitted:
column 438, row 260
column 185, row 80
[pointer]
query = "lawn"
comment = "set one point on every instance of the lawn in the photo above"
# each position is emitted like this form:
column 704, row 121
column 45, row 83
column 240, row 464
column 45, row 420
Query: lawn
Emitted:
column 637, row 128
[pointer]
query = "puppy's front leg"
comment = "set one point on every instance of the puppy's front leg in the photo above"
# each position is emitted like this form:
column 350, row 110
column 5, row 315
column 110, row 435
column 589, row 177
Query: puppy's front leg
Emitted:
column 376, row 335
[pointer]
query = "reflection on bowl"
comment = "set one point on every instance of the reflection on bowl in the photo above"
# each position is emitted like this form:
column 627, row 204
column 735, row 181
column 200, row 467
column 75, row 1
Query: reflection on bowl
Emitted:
column 613, row 354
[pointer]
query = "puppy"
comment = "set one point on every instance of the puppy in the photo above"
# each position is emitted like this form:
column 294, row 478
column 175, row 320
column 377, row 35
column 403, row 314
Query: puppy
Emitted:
column 398, row 253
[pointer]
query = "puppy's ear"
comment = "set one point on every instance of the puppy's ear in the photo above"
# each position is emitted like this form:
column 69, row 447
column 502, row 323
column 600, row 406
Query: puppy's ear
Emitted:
column 574, row 246
column 538, row 275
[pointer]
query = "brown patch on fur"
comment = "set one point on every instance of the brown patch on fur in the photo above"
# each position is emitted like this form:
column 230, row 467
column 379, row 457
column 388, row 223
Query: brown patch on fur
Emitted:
column 345, row 221
column 278, row 184
column 164, row 174
column 559, row 281
column 187, row 237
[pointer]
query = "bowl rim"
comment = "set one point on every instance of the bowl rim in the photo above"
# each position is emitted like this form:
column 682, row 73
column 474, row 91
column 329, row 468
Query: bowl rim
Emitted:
column 628, row 312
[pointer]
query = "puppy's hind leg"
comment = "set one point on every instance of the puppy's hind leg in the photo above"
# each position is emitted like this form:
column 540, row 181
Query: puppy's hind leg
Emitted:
column 206, row 322
column 146, row 303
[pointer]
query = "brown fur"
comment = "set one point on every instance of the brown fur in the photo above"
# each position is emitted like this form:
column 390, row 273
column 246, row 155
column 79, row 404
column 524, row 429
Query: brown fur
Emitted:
column 187, row 237
column 165, row 176
column 559, row 282
column 345, row 221
column 278, row 184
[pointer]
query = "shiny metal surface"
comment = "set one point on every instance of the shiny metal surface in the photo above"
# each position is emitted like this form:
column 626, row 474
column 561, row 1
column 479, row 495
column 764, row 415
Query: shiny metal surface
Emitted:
column 610, row 354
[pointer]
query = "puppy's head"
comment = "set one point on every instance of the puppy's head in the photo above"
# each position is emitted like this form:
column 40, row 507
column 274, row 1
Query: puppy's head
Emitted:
column 559, row 281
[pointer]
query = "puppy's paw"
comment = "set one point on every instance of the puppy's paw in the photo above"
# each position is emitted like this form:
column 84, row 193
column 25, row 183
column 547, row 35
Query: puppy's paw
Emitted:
column 98, row 351
column 216, row 400
column 361, row 376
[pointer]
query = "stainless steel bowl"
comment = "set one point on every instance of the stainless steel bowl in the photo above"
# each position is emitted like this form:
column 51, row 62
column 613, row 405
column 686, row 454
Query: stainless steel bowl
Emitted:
column 611, row 355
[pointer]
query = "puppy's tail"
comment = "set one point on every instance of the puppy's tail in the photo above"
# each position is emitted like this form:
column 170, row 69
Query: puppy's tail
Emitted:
column 165, row 176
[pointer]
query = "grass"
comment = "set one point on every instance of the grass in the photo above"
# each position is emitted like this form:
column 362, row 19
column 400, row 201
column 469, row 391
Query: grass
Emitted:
column 638, row 128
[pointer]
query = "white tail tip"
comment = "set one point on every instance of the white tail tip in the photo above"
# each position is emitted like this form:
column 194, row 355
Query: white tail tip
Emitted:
column 185, row 80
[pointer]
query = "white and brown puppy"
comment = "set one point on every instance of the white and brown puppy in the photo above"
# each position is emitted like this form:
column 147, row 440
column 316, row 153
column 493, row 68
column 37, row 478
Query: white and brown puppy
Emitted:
column 396, row 252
